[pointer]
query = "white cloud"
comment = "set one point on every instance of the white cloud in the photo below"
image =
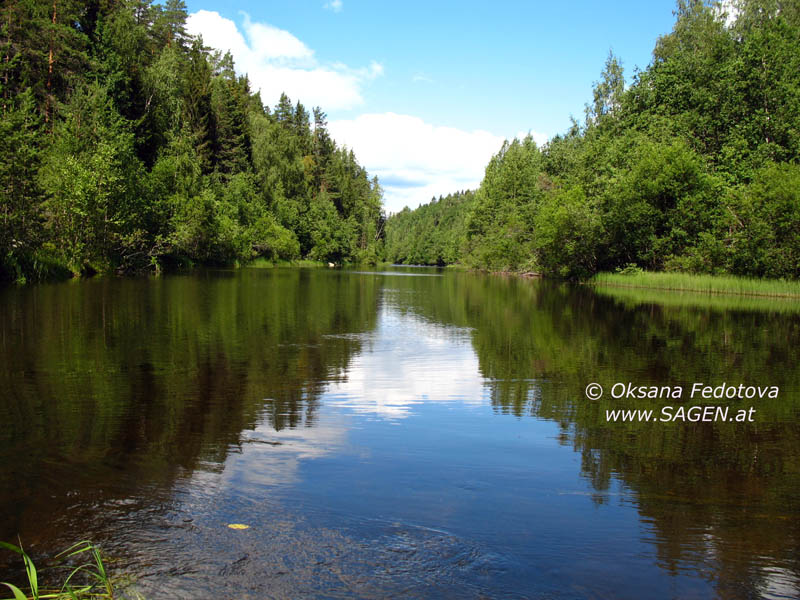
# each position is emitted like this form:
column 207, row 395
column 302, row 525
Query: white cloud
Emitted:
column 415, row 160
column 277, row 61
column 334, row 5
column 270, row 43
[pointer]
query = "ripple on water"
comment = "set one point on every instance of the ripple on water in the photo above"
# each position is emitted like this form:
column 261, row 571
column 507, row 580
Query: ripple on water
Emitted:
column 285, row 557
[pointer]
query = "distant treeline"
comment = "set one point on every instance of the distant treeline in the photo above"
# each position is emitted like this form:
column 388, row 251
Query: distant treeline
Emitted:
column 433, row 234
column 125, row 145
column 692, row 167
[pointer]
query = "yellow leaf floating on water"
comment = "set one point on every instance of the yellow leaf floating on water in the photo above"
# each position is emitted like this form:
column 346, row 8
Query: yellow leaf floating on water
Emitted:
column 238, row 526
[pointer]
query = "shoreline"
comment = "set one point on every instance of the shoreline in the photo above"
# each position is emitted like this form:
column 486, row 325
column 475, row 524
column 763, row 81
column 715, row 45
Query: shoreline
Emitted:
column 726, row 285
column 730, row 285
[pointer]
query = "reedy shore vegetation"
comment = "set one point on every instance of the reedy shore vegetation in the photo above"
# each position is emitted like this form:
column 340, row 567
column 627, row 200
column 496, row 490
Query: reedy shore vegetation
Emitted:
column 692, row 167
column 710, row 284
column 126, row 145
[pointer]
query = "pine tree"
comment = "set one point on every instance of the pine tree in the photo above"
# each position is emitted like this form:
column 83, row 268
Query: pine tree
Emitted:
column 197, row 104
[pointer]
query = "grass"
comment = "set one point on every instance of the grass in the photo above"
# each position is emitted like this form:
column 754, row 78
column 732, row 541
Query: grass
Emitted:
column 707, row 284
column 87, row 581
column 264, row 263
column 42, row 265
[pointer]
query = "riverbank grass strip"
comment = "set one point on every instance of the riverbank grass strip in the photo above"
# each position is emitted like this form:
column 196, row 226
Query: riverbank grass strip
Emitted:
column 708, row 284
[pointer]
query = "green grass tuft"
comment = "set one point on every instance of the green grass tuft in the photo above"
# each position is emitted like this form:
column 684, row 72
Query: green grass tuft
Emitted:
column 89, row 580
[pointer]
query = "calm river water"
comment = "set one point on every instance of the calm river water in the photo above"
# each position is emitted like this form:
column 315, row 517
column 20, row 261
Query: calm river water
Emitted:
column 404, row 433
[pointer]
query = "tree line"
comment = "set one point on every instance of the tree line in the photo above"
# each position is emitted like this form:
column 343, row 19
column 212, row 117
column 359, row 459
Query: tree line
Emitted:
column 430, row 235
column 691, row 167
column 127, row 145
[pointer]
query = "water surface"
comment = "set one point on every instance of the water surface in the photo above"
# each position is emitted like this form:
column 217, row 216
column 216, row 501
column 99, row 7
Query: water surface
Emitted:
column 421, row 435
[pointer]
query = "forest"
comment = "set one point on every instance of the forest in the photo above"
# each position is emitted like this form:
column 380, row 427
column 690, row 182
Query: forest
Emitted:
column 128, row 146
column 692, row 166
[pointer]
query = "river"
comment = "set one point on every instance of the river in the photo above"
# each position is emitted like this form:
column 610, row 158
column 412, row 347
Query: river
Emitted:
column 403, row 432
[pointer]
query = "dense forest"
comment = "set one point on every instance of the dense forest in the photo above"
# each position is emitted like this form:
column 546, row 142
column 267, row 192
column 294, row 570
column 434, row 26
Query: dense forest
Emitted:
column 692, row 166
column 430, row 235
column 126, row 145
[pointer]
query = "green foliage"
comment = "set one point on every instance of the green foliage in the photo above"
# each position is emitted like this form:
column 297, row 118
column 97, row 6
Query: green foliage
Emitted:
column 433, row 234
column 20, row 195
column 90, row 174
column 764, row 224
column 128, row 145
column 272, row 241
column 88, row 581
column 500, row 224
column 692, row 167
column 657, row 208
column 326, row 232
column 607, row 92
column 568, row 234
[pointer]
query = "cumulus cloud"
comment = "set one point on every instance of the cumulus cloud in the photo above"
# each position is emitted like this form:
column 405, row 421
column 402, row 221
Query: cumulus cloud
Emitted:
column 334, row 5
column 277, row 61
column 415, row 160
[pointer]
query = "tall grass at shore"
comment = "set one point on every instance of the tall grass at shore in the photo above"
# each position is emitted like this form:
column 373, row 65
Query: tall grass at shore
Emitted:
column 708, row 284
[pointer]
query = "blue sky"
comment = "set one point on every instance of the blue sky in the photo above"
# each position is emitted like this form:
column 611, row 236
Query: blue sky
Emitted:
column 425, row 92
